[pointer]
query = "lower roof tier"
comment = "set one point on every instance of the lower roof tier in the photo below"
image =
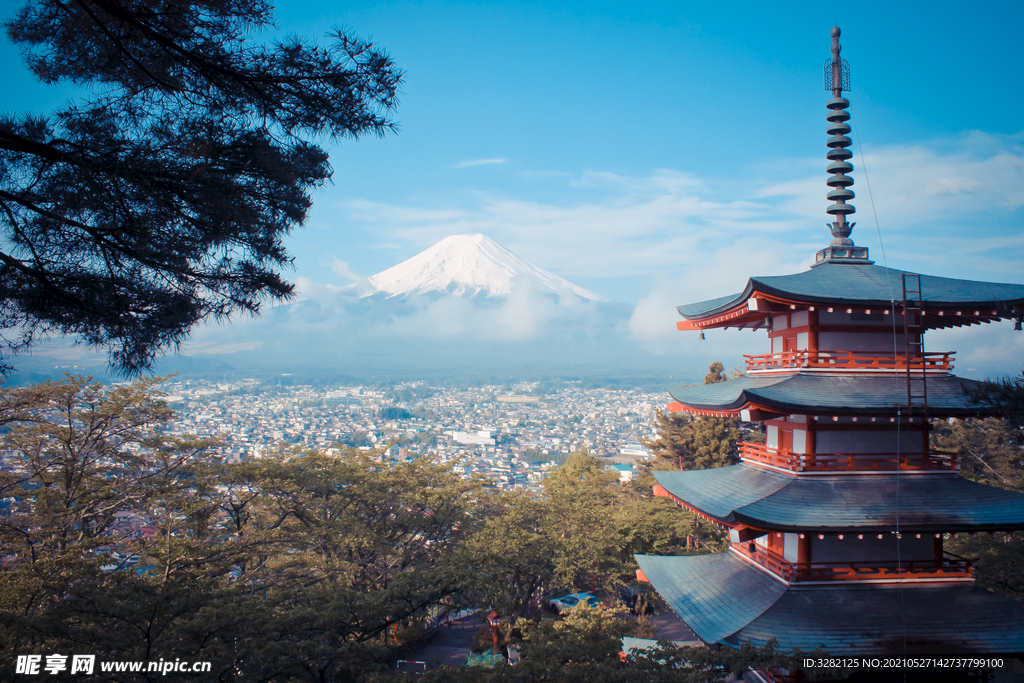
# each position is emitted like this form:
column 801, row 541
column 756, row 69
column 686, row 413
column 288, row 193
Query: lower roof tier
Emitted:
column 840, row 394
column 726, row 600
column 762, row 498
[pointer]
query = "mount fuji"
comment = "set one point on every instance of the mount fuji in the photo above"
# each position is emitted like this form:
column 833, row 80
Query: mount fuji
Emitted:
column 466, row 306
column 473, row 266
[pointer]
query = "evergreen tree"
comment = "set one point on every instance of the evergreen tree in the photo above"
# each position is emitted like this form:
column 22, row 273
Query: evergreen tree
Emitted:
column 716, row 373
column 162, row 197
column 1006, row 395
column 990, row 451
column 686, row 442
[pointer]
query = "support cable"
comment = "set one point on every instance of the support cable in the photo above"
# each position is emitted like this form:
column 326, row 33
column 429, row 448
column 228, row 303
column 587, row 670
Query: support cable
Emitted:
column 895, row 355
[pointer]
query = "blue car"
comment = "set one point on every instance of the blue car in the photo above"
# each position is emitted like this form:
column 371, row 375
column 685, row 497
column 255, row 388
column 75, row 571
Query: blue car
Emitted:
column 565, row 602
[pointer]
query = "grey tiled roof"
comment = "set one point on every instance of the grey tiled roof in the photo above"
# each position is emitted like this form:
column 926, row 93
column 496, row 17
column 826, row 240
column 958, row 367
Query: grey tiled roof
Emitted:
column 861, row 284
column 944, row 620
column 716, row 595
column 846, row 503
column 723, row 599
column 830, row 394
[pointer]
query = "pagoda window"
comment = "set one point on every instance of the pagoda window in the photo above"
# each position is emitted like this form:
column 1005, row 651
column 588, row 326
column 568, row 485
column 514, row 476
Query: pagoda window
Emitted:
column 864, row 441
column 799, row 441
column 797, row 341
column 851, row 548
column 862, row 319
column 881, row 342
column 791, row 547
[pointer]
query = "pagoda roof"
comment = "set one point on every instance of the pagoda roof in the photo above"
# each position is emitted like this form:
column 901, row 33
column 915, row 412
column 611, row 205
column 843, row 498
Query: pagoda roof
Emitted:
column 824, row 393
column 863, row 285
column 725, row 599
column 716, row 595
column 762, row 498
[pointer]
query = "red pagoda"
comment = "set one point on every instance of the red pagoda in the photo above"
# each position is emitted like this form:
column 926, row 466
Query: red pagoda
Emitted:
column 836, row 523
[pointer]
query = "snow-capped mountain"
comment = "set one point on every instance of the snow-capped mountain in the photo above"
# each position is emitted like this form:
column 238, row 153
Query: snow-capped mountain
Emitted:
column 471, row 266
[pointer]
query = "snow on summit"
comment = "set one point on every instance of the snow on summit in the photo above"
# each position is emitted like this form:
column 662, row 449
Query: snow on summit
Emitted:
column 468, row 265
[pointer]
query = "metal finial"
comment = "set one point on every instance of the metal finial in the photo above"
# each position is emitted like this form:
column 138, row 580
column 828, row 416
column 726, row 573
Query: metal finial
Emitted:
column 837, row 79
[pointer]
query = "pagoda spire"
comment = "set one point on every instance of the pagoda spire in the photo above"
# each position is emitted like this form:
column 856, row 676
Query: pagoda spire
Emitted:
column 837, row 79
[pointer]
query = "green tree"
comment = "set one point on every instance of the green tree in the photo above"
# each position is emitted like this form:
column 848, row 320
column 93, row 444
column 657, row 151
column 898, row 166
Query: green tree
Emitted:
column 580, row 533
column 686, row 442
column 990, row 452
column 673, row 446
column 100, row 538
column 363, row 546
column 124, row 542
column 579, row 497
column 1006, row 394
column 507, row 562
column 162, row 197
column 563, row 539
column 716, row 373
column 652, row 525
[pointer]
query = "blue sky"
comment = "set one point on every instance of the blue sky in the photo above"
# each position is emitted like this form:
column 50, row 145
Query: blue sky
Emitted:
column 659, row 153
column 629, row 143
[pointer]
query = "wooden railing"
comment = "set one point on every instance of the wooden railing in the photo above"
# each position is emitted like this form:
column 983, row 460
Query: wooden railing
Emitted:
column 951, row 567
column 939, row 362
column 847, row 462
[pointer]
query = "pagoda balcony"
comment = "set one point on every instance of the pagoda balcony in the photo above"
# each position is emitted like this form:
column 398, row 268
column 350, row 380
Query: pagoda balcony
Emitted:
column 951, row 567
column 938, row 362
column 760, row 454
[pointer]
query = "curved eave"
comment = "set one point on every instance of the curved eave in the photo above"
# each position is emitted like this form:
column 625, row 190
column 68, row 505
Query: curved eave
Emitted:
column 825, row 394
column 946, row 302
column 716, row 595
column 911, row 503
column 726, row 600
column 712, row 307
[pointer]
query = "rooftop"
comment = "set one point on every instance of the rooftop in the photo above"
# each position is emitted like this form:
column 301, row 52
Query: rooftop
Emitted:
column 871, row 286
column 724, row 599
column 828, row 394
column 747, row 494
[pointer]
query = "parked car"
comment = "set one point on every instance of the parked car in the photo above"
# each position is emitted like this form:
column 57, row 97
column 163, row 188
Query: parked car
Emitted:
column 566, row 601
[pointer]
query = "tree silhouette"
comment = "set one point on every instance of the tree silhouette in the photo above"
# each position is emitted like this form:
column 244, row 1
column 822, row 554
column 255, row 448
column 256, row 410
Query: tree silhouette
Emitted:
column 162, row 197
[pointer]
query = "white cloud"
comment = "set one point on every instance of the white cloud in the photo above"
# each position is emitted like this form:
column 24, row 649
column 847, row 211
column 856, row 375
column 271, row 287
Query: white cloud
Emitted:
column 916, row 183
column 344, row 270
column 726, row 271
column 614, row 225
column 480, row 162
